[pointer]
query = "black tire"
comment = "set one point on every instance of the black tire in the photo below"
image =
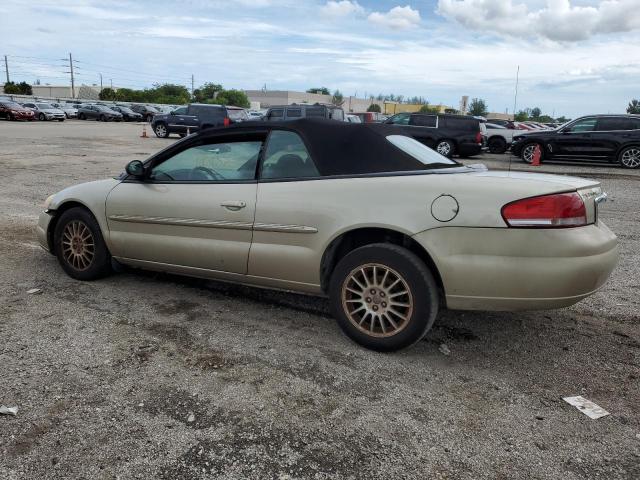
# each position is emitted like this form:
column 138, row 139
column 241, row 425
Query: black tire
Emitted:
column 446, row 147
column 497, row 145
column 82, row 116
column 418, row 281
column 11, row 118
column 102, row 118
column 629, row 157
column 100, row 262
column 524, row 153
column 161, row 130
column 42, row 117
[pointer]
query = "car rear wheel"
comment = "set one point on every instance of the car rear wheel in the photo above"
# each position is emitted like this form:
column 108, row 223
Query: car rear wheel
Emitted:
column 11, row 117
column 528, row 150
column 497, row 145
column 81, row 116
column 79, row 246
column 445, row 147
column 161, row 130
column 630, row 157
column 42, row 117
column 383, row 297
column 102, row 118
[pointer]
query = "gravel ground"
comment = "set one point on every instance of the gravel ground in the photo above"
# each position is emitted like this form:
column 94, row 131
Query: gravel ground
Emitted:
column 145, row 376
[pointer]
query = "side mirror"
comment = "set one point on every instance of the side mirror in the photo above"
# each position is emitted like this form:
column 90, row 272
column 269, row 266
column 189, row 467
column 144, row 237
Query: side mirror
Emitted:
column 135, row 168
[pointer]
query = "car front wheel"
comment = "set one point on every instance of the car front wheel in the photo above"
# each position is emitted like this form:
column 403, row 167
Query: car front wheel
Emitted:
column 42, row 117
column 384, row 297
column 79, row 245
column 161, row 130
column 445, row 148
column 630, row 157
column 528, row 152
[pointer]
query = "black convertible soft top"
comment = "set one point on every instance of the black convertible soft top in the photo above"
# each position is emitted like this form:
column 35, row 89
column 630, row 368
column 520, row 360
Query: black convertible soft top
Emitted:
column 342, row 148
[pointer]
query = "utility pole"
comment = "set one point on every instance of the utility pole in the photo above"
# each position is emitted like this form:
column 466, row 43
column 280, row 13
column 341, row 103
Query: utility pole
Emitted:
column 111, row 81
column 6, row 67
column 515, row 98
column 73, row 84
column 100, row 81
column 192, row 84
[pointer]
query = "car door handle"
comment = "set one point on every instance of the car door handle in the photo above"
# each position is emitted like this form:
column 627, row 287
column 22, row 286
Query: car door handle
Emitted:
column 233, row 205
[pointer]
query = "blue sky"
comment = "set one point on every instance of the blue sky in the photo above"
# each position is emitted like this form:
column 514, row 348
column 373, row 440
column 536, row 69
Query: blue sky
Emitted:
column 576, row 56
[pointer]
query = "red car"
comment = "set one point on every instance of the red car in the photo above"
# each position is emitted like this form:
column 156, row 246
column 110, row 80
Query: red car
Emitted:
column 14, row 111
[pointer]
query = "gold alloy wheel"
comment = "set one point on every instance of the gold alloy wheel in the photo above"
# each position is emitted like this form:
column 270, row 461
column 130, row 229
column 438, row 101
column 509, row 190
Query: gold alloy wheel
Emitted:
column 78, row 247
column 377, row 300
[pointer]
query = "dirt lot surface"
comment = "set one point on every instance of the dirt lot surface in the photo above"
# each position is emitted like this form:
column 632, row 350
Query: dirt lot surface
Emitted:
column 152, row 376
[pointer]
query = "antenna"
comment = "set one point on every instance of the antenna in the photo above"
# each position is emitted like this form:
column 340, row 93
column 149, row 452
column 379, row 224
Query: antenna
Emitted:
column 515, row 103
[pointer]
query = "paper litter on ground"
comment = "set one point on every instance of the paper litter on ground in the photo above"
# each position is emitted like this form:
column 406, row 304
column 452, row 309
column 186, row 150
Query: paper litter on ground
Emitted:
column 587, row 407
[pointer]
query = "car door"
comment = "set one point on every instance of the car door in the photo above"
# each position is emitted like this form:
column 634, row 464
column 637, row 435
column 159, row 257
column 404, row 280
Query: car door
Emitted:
column 195, row 208
column 285, row 241
column 176, row 120
column 610, row 134
column 576, row 140
column 424, row 128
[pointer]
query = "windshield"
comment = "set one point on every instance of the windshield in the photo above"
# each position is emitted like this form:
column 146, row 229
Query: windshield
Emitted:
column 104, row 108
column 11, row 105
column 44, row 105
column 420, row 152
column 152, row 109
column 125, row 110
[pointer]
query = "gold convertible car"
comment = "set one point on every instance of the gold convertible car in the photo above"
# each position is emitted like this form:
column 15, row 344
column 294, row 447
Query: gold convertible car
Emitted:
column 388, row 229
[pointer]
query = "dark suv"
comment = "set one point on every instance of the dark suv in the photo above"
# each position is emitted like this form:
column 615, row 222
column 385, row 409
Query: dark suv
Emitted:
column 196, row 116
column 294, row 112
column 446, row 134
column 608, row 138
column 147, row 111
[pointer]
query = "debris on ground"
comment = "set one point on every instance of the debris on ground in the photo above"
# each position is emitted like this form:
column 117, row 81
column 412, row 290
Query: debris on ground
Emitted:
column 34, row 291
column 8, row 410
column 587, row 407
column 444, row 349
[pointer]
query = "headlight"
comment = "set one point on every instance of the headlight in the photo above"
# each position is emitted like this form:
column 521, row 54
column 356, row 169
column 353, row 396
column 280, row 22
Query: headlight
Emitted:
column 48, row 201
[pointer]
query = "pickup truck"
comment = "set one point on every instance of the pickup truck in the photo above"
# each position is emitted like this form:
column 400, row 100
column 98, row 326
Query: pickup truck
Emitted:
column 499, row 138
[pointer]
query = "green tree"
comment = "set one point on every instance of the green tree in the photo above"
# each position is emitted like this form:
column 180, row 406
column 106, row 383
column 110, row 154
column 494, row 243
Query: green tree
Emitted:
column 168, row 93
column 634, row 107
column 478, row 107
column 22, row 88
column 11, row 88
column 535, row 113
column 562, row 119
column 107, row 94
column 428, row 109
column 206, row 92
column 337, row 99
column 451, row 111
column 374, row 107
column 321, row 91
column 236, row 98
column 521, row 116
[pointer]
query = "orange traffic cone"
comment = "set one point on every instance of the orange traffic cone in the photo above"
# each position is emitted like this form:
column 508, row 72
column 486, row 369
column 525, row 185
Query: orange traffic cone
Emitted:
column 144, row 131
column 535, row 161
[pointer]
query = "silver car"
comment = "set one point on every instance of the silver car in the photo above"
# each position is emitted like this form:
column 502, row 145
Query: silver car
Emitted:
column 46, row 111
column 70, row 110
column 388, row 229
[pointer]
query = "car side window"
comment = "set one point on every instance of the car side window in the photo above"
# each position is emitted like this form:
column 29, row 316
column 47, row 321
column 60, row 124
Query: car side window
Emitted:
column 424, row 120
column 180, row 111
column 214, row 162
column 276, row 113
column 608, row 124
column 294, row 112
column 287, row 157
column 586, row 125
column 401, row 119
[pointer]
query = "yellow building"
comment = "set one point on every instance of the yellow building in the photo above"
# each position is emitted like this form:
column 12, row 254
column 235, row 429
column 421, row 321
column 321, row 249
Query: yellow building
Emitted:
column 391, row 108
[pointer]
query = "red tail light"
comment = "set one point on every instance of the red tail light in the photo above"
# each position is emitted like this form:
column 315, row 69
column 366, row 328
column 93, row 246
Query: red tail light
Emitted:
column 227, row 121
column 547, row 211
column 479, row 137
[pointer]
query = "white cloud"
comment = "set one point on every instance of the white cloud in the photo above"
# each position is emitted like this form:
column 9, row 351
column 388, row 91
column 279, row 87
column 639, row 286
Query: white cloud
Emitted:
column 341, row 8
column 398, row 18
column 559, row 21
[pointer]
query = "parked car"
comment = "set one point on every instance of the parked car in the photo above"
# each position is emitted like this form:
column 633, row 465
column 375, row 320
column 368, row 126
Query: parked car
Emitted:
column 99, row 112
column 447, row 134
column 128, row 115
column 371, row 117
column 254, row 115
column 70, row 110
column 353, row 118
column 147, row 111
column 504, row 123
column 196, row 116
column 296, row 111
column 11, row 110
column 609, row 138
column 499, row 138
column 351, row 211
column 45, row 111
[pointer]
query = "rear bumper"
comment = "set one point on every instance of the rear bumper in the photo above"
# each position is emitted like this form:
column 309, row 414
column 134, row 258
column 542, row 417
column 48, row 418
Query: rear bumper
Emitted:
column 520, row 269
column 42, row 230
